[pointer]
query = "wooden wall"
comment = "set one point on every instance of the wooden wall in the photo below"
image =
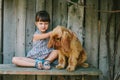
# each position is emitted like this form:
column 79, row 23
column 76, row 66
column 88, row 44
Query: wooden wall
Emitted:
column 96, row 24
column 0, row 31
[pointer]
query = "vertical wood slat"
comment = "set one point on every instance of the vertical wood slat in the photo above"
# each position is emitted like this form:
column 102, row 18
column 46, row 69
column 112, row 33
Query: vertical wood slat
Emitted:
column 103, row 63
column 49, row 9
column 0, row 31
column 110, row 31
column 40, row 5
column 117, row 60
column 43, row 77
column 59, row 12
column 30, row 77
column 91, row 31
column 9, row 31
column 103, row 47
column 30, row 24
column 21, row 19
column 75, row 20
column 14, row 77
column 117, row 57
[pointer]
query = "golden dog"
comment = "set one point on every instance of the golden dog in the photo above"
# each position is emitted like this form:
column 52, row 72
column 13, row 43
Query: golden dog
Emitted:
column 69, row 47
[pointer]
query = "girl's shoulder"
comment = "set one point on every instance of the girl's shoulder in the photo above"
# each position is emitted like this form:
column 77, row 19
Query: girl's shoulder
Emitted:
column 37, row 32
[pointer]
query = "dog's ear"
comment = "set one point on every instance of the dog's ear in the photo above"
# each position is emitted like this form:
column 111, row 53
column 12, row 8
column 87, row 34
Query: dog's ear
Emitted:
column 65, row 41
column 50, row 42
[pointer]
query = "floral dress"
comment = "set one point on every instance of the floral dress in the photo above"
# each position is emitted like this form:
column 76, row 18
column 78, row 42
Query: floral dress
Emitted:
column 40, row 49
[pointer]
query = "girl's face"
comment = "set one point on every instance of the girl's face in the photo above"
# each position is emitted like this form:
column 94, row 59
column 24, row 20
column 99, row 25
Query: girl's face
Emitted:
column 42, row 26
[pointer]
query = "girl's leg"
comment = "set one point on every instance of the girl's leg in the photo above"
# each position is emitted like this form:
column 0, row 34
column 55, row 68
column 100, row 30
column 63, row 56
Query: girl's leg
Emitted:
column 23, row 61
column 53, row 55
column 27, row 62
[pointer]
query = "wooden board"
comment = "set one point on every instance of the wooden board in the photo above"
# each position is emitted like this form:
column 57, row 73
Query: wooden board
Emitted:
column 117, row 56
column 30, row 24
column 20, row 27
column 13, row 70
column 103, row 57
column 75, row 20
column 49, row 9
column 91, row 31
column 0, row 31
column 59, row 13
column 40, row 5
column 9, row 30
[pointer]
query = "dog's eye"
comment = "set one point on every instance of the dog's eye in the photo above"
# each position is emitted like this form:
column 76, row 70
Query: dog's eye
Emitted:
column 58, row 39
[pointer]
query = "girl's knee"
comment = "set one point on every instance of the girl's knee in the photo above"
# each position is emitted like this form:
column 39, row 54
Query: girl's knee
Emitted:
column 55, row 52
column 14, row 60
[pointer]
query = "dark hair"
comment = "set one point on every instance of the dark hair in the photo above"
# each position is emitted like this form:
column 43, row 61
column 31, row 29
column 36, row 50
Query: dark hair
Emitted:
column 42, row 16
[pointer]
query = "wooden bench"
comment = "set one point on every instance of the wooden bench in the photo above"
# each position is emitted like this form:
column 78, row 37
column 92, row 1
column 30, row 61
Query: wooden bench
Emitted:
column 10, row 69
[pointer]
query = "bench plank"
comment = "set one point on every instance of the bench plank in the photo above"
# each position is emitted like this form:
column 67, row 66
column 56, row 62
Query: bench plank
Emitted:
column 11, row 69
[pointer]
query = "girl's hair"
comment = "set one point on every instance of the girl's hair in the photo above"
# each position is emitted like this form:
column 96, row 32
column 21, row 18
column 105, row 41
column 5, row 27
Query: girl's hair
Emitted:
column 42, row 16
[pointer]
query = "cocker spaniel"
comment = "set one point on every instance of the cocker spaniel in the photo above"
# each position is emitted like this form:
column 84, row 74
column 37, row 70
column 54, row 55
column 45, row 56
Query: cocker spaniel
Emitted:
column 69, row 48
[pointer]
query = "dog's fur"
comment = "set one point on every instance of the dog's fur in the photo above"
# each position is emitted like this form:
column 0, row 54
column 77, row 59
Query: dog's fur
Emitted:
column 68, row 46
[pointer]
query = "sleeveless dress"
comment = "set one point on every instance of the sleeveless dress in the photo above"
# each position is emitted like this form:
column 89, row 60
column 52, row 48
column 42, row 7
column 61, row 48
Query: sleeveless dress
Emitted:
column 39, row 49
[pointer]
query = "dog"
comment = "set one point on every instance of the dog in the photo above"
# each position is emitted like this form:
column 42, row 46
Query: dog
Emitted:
column 69, row 48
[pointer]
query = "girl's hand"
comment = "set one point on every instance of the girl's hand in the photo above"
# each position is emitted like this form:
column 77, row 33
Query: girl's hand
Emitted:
column 49, row 33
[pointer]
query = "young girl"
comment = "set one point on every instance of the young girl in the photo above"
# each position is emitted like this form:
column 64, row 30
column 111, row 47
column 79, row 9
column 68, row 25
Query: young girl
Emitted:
column 39, row 56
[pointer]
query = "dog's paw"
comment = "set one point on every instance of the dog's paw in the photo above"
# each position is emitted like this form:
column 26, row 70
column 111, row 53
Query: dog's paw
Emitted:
column 59, row 66
column 85, row 65
column 70, row 68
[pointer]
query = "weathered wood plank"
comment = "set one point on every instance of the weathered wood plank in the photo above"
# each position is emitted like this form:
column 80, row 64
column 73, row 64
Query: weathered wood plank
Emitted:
column 20, row 25
column 30, row 24
column 59, row 12
column 75, row 20
column 43, row 77
column 13, row 70
column 7, row 77
column 49, row 9
column 30, row 77
column 0, row 31
column 12, row 77
column 103, row 63
column 91, row 31
column 9, row 31
column 117, row 56
column 40, row 5
column 110, row 39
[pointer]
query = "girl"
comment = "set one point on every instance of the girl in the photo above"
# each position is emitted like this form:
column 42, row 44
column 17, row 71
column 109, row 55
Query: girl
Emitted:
column 39, row 56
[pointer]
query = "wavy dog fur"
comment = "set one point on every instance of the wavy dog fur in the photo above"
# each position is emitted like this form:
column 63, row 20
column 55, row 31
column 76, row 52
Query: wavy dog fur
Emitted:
column 69, row 48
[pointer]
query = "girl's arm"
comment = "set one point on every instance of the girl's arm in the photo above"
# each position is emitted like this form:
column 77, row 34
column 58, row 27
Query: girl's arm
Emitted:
column 41, row 36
